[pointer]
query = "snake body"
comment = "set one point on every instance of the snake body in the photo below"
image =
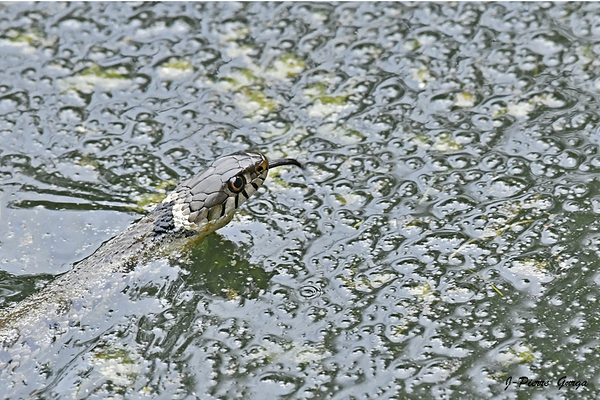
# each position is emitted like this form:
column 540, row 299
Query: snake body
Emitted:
column 198, row 206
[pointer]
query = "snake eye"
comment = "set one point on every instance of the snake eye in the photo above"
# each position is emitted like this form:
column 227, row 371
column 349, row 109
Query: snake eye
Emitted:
column 236, row 184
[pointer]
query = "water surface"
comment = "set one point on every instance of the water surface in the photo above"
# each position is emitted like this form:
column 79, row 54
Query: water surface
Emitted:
column 443, row 240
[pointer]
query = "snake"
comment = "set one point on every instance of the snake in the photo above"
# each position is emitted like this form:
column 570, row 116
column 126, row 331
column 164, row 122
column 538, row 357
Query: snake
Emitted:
column 197, row 207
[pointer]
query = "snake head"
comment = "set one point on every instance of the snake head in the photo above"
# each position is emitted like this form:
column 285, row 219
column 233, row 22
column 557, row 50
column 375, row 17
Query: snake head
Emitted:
column 207, row 201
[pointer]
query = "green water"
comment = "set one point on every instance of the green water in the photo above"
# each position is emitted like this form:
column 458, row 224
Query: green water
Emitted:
column 443, row 240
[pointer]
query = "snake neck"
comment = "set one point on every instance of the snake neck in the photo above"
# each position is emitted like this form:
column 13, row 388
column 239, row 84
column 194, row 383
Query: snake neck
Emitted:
column 155, row 234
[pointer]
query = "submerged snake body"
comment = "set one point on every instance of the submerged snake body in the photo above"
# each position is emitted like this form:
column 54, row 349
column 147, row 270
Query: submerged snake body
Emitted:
column 198, row 206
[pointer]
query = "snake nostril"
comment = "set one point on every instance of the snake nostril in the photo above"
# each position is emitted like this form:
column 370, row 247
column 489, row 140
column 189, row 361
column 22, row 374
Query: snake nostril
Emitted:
column 262, row 167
